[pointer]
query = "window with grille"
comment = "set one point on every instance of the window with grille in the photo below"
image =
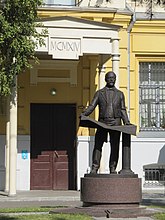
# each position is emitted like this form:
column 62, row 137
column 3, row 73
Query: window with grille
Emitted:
column 152, row 96
column 59, row 2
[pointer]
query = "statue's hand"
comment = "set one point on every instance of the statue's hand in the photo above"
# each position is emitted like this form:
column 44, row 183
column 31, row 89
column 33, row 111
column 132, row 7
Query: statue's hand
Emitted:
column 81, row 115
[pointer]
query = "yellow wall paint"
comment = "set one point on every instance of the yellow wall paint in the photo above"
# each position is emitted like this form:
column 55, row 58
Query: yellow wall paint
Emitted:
column 123, row 58
column 123, row 36
column 150, row 43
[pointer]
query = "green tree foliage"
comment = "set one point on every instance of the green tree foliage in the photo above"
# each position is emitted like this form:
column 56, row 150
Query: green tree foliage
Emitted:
column 18, row 22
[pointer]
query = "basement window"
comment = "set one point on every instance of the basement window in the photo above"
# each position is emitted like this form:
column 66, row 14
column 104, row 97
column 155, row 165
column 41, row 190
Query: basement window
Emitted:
column 154, row 172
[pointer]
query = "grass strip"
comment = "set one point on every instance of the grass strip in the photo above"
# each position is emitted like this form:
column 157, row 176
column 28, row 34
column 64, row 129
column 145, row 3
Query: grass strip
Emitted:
column 47, row 217
column 29, row 209
column 38, row 216
column 159, row 216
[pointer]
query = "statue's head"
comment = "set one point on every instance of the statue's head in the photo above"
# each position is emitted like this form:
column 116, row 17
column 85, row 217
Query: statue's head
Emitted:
column 110, row 78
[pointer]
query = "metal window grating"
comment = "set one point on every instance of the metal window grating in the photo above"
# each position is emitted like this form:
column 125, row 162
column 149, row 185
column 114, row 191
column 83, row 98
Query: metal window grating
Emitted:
column 154, row 172
column 152, row 95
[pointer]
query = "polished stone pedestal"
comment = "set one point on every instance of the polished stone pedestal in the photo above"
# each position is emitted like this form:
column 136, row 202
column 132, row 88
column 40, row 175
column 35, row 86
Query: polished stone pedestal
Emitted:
column 108, row 189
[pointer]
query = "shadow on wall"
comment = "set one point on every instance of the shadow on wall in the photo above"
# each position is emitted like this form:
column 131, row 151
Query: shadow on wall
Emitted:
column 161, row 159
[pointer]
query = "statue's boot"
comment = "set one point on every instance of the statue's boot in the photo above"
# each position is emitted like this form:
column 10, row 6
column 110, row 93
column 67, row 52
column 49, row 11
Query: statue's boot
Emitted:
column 96, row 161
column 94, row 169
column 113, row 168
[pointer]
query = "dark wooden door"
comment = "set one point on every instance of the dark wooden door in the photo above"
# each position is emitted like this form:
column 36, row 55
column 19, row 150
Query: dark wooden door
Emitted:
column 53, row 152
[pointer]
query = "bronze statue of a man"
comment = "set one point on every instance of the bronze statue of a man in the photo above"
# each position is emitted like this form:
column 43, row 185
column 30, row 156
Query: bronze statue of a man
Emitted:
column 112, row 111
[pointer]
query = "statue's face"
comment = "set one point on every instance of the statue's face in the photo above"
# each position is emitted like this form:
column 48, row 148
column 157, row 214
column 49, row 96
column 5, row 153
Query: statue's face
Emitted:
column 110, row 79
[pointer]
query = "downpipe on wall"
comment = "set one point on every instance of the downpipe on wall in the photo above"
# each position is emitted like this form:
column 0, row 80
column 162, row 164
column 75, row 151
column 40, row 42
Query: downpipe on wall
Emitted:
column 129, row 29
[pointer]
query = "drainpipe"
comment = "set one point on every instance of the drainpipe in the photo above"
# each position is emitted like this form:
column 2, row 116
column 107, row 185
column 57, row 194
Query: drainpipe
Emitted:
column 129, row 29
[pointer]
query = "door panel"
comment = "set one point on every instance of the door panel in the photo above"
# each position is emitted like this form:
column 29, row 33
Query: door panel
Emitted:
column 41, row 168
column 53, row 133
column 61, row 170
column 65, row 140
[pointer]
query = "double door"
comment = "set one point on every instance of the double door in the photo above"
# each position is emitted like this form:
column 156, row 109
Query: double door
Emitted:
column 53, row 146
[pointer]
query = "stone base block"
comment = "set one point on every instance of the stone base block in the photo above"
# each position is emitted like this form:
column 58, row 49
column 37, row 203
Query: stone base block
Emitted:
column 110, row 189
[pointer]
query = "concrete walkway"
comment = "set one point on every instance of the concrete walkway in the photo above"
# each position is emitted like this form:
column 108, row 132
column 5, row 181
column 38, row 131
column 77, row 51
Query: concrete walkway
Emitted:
column 71, row 199
column 40, row 198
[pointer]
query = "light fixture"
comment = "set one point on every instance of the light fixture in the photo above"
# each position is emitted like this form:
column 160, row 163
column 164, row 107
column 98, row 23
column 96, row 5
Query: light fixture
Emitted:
column 53, row 92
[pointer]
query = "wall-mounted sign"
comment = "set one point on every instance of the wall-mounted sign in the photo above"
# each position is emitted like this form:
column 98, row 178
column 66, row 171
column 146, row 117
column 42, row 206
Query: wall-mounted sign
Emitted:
column 24, row 154
column 65, row 48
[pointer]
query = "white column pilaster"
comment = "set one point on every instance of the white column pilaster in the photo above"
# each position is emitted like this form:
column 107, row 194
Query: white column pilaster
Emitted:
column 115, row 68
column 7, row 144
column 115, row 59
column 102, row 70
column 13, row 142
column 104, row 167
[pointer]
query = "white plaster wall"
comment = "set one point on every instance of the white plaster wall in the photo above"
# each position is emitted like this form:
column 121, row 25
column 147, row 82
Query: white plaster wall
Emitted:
column 82, row 157
column 23, row 165
column 106, row 151
column 146, row 151
column 85, row 147
column 2, row 162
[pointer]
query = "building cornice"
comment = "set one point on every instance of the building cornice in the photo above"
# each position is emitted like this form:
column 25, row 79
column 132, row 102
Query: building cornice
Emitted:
column 125, row 11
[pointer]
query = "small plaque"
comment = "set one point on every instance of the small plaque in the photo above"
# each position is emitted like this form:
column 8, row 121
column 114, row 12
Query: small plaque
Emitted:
column 24, row 154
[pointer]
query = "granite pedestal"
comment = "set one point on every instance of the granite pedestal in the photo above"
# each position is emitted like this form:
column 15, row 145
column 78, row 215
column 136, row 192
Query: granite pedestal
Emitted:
column 110, row 189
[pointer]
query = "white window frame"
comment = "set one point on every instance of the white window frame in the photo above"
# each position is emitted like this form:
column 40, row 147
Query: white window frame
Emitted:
column 152, row 96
